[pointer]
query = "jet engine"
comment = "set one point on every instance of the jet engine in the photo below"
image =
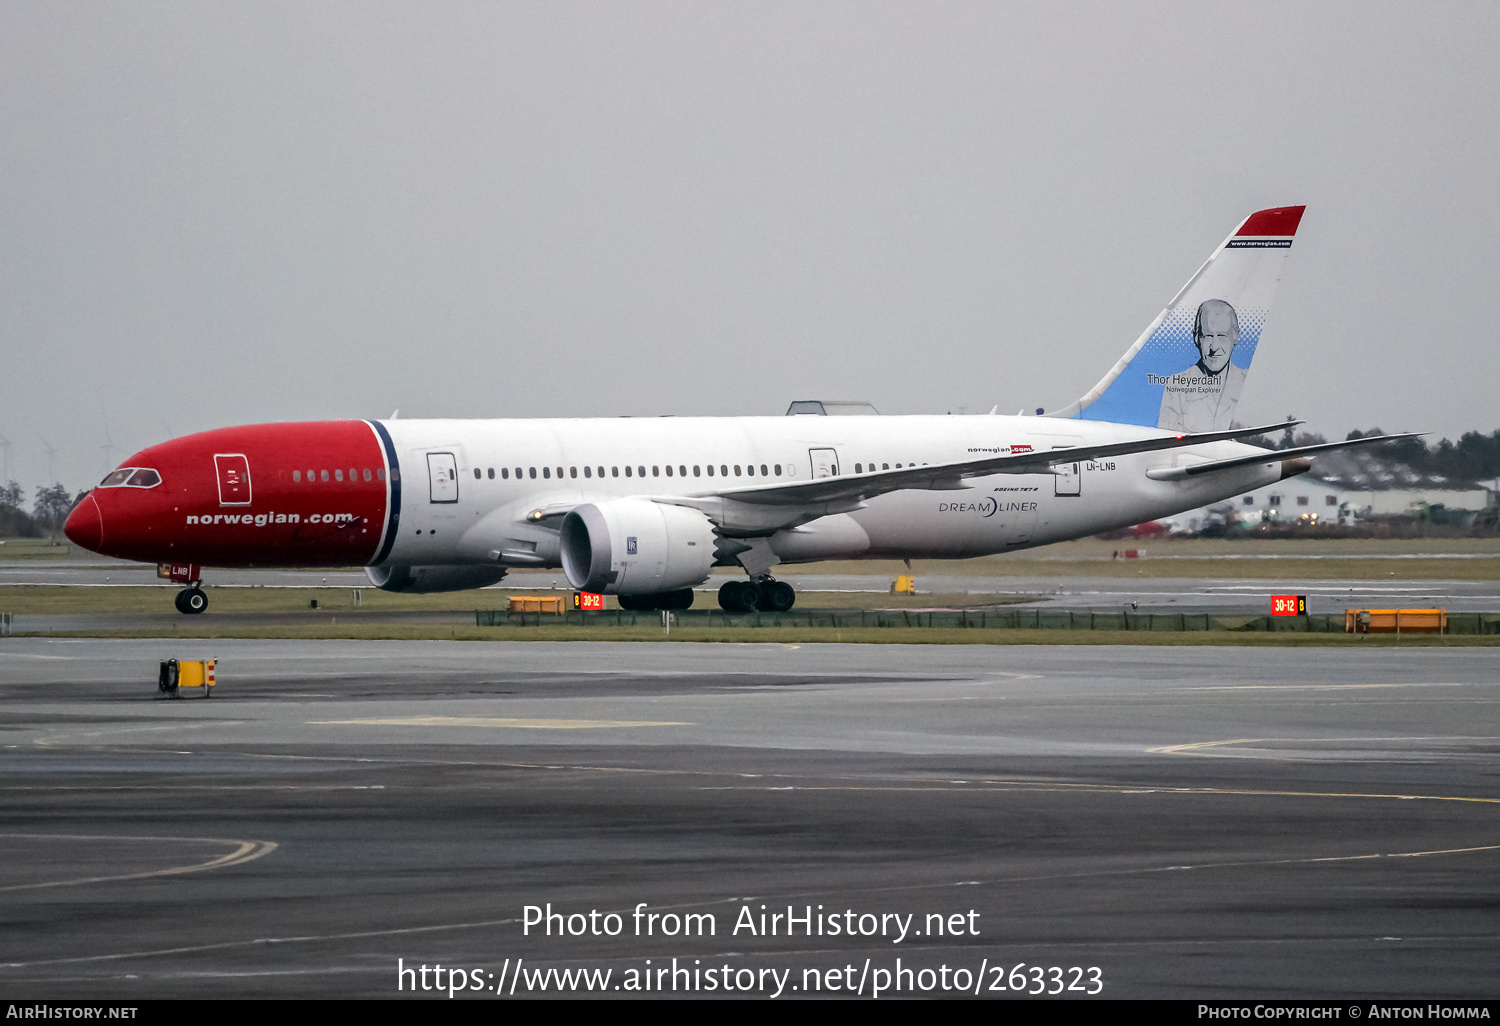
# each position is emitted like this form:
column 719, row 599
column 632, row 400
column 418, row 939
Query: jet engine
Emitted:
column 636, row 547
column 421, row 580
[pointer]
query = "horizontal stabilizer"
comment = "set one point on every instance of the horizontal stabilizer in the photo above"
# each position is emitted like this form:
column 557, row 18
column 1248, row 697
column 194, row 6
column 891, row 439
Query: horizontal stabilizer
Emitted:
column 1271, row 456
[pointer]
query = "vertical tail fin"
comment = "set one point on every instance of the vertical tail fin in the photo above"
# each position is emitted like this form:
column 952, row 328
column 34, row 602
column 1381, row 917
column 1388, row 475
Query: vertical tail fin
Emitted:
column 1186, row 371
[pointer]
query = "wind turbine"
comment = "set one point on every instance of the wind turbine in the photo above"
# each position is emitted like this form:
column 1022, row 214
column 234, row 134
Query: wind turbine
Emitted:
column 4, row 459
column 51, row 459
column 108, row 447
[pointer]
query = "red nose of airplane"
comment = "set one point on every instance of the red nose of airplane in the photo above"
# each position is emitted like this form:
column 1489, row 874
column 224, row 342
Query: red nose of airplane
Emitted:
column 85, row 527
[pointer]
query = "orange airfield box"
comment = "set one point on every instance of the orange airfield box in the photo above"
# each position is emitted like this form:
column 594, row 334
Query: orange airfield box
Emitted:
column 1396, row 621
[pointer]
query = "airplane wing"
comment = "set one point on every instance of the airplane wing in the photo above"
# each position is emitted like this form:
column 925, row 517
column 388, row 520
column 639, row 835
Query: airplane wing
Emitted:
column 948, row 476
column 1271, row 456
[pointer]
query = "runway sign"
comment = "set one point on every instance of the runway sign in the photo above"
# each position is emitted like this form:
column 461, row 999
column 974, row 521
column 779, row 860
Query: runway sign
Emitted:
column 1288, row 605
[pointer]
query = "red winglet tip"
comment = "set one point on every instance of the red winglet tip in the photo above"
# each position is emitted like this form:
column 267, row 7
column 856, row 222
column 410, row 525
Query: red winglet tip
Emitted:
column 1278, row 221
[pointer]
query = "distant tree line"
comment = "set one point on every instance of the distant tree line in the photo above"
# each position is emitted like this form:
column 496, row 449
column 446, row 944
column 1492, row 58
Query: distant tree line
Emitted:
column 1471, row 461
column 48, row 513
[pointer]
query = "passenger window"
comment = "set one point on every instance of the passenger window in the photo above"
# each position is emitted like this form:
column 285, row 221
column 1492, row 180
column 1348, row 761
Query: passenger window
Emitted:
column 477, row 473
column 710, row 470
column 762, row 470
column 380, row 473
column 615, row 471
column 547, row 472
column 655, row 471
column 367, row 474
column 533, row 473
column 338, row 475
column 588, row 471
column 885, row 466
column 505, row 473
column 750, row 469
column 324, row 476
column 723, row 470
column 736, row 470
column 353, row 473
column 859, row 468
column 627, row 471
column 572, row 471
column 601, row 471
column 296, row 477
column 778, row 470
column 640, row 471
column 669, row 470
column 559, row 472
column 696, row 470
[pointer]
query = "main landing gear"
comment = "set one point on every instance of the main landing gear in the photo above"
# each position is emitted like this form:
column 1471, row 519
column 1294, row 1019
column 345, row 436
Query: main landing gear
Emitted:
column 766, row 595
column 192, row 600
column 681, row 599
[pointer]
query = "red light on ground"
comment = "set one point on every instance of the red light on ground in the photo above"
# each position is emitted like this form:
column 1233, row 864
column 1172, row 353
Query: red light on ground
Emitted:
column 1288, row 605
column 587, row 600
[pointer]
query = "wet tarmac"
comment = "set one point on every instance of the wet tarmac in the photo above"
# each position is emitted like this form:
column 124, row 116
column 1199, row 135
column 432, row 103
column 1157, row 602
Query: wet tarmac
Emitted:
column 1191, row 822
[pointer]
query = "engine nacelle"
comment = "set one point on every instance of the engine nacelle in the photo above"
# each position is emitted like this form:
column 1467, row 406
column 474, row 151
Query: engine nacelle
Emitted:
column 636, row 547
column 422, row 580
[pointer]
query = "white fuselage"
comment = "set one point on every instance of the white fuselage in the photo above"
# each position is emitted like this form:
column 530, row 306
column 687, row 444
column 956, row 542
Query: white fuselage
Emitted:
column 509, row 473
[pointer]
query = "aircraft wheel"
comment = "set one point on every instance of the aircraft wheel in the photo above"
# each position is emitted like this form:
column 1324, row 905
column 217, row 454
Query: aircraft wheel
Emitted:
column 681, row 599
column 776, row 596
column 738, row 597
column 192, row 600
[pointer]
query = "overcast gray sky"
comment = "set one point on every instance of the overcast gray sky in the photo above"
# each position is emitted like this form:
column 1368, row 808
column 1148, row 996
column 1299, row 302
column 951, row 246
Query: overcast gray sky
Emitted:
column 214, row 214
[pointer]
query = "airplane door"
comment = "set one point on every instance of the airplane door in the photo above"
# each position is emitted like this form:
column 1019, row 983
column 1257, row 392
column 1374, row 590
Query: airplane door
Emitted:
column 825, row 462
column 1067, row 480
column 442, row 475
column 234, row 479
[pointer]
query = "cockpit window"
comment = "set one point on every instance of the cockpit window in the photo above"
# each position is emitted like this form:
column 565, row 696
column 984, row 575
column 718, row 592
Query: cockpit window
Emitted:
column 132, row 477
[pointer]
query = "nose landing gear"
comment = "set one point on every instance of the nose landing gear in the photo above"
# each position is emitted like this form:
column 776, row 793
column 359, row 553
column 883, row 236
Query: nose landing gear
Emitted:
column 192, row 600
column 766, row 595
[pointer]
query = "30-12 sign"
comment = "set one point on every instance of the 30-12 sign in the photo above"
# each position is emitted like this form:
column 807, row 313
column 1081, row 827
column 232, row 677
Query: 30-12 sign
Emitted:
column 1288, row 605
column 587, row 600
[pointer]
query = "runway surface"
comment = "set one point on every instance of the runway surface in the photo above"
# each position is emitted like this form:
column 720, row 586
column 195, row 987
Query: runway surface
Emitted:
column 1209, row 595
column 1192, row 822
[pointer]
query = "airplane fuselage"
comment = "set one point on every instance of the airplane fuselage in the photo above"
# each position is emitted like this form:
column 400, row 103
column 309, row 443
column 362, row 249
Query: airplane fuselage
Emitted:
column 488, row 492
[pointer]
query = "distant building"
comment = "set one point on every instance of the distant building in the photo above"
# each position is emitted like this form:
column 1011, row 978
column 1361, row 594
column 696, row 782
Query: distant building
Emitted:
column 1313, row 501
column 1293, row 499
column 1400, row 501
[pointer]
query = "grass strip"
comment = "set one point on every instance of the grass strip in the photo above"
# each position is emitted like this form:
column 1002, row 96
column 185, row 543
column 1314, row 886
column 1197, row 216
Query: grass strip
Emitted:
column 783, row 635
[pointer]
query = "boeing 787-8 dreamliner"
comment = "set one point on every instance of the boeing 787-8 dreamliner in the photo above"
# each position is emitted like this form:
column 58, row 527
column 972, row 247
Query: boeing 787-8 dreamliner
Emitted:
column 644, row 509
